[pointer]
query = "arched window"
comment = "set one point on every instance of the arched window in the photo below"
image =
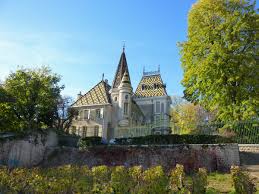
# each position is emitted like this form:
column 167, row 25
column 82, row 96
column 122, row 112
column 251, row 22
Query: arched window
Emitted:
column 126, row 97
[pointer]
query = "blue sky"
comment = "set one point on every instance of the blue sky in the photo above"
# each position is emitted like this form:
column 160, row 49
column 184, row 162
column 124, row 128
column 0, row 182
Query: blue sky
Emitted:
column 80, row 40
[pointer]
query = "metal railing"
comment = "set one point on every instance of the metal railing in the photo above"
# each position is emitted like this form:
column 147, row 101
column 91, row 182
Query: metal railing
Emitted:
column 161, row 123
column 243, row 132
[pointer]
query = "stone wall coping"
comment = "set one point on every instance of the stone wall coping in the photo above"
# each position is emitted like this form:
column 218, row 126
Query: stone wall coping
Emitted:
column 172, row 145
column 248, row 145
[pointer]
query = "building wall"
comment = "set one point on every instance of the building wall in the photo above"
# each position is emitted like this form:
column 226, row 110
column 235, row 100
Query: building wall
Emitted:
column 87, row 125
column 149, row 106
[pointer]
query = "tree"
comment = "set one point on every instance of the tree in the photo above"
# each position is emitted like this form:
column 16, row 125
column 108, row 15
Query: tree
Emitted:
column 186, row 116
column 64, row 114
column 35, row 93
column 219, row 58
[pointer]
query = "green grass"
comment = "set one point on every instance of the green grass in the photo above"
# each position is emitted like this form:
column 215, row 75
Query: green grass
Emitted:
column 222, row 183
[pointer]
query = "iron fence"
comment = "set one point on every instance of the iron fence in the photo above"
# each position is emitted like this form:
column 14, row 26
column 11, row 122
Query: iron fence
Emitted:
column 245, row 132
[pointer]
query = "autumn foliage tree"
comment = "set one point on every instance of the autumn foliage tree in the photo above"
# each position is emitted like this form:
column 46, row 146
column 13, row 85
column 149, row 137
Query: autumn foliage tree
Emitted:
column 219, row 58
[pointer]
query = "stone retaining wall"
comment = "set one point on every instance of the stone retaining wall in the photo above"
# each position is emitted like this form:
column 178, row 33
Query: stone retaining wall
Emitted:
column 249, row 154
column 28, row 151
column 212, row 157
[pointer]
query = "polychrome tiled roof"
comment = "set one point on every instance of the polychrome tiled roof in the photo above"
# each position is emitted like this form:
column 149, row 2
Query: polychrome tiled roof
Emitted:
column 151, row 85
column 122, row 67
column 99, row 94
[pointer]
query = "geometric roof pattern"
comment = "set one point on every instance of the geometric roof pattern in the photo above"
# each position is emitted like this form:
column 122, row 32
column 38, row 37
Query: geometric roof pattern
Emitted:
column 99, row 94
column 151, row 85
column 121, row 69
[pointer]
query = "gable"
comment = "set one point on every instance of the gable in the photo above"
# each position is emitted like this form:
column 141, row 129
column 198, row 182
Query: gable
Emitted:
column 99, row 94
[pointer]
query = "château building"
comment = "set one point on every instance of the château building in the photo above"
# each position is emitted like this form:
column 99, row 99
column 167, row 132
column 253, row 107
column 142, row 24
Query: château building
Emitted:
column 112, row 111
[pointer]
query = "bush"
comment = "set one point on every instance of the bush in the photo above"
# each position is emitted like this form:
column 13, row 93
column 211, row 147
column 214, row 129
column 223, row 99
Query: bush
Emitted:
column 101, row 179
column 177, row 178
column 135, row 174
column 242, row 182
column 155, row 181
column 173, row 139
column 200, row 182
column 89, row 141
column 120, row 180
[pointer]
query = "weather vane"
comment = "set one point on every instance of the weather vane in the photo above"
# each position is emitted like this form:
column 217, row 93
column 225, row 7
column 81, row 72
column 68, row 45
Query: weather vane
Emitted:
column 123, row 45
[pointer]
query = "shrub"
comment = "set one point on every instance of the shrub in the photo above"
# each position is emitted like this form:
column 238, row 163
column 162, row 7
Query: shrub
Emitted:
column 177, row 177
column 89, row 141
column 84, row 181
column 200, row 181
column 120, row 180
column 135, row 174
column 173, row 139
column 242, row 182
column 101, row 179
column 155, row 181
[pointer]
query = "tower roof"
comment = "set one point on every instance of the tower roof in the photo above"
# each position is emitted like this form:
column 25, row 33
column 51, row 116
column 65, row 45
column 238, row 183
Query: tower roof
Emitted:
column 150, row 86
column 121, row 69
column 125, row 82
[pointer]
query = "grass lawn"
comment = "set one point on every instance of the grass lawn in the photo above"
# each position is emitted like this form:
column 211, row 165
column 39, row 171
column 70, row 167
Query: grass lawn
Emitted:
column 222, row 183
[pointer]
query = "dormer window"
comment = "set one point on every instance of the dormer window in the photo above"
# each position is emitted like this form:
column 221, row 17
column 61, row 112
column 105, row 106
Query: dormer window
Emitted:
column 143, row 87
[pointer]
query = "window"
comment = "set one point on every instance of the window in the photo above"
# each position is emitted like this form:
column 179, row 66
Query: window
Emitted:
column 98, row 113
column 162, row 108
column 158, row 107
column 126, row 107
column 96, row 130
column 86, row 114
column 73, row 129
column 81, row 114
column 126, row 97
column 84, row 131
column 115, row 99
column 143, row 87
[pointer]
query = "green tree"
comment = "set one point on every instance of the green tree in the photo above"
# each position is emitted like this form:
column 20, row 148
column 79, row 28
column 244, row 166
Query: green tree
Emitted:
column 34, row 94
column 219, row 58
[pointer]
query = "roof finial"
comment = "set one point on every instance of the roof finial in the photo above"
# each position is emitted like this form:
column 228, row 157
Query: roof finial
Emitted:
column 102, row 76
column 123, row 48
column 144, row 70
column 158, row 68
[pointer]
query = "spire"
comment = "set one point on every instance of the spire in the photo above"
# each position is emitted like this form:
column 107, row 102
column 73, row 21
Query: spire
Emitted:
column 125, row 81
column 122, row 67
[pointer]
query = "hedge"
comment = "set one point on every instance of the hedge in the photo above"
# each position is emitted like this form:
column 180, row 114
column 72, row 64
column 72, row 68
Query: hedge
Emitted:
column 89, row 141
column 173, row 139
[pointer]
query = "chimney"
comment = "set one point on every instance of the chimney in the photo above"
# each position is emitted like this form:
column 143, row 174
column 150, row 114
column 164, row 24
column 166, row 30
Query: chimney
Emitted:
column 79, row 95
